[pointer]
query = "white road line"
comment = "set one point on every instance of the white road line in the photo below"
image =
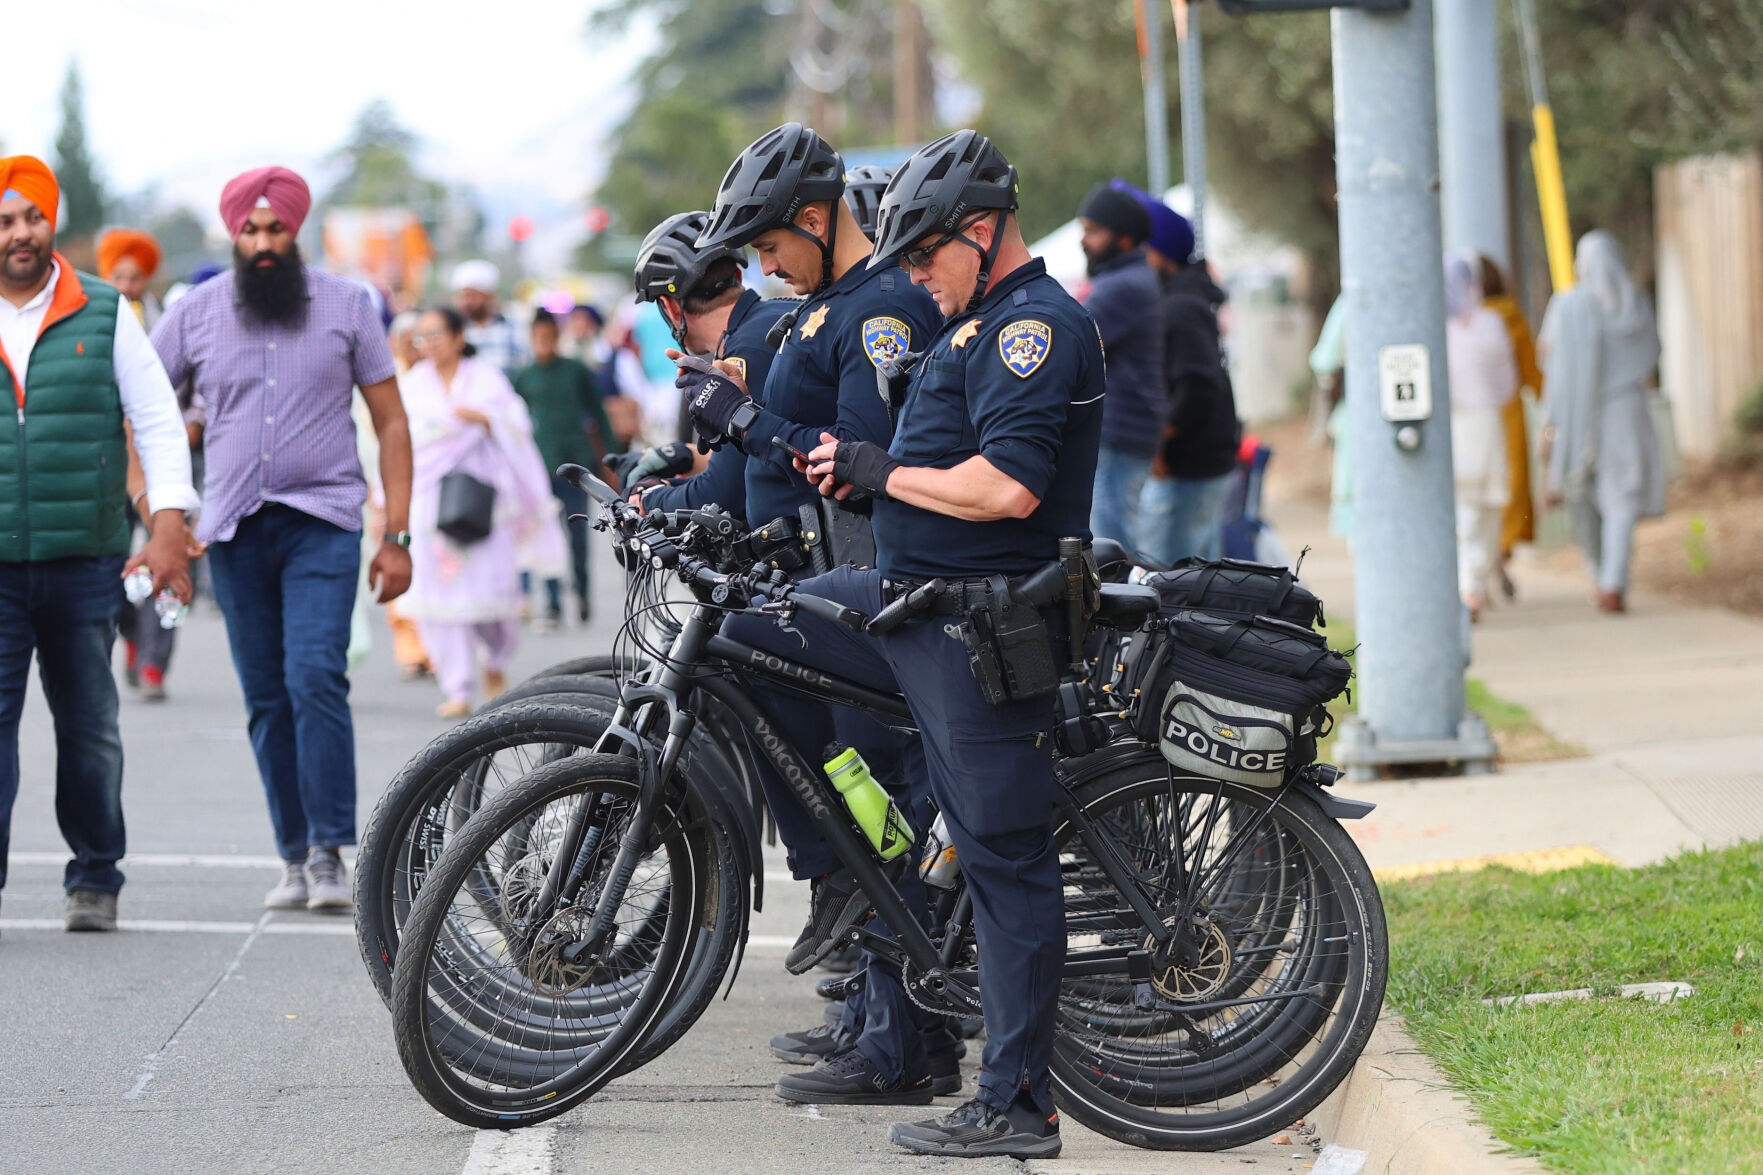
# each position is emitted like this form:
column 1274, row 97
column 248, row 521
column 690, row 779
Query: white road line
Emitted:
column 164, row 860
column 150, row 1067
column 174, row 926
column 532, row 1151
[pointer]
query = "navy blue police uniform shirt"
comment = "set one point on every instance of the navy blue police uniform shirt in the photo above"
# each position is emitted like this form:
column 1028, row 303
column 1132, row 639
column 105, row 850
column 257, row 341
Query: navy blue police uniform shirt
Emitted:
column 824, row 379
column 1019, row 381
column 724, row 481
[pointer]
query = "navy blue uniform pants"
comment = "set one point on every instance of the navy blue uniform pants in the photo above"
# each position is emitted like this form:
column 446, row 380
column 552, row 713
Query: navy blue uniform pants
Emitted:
column 990, row 770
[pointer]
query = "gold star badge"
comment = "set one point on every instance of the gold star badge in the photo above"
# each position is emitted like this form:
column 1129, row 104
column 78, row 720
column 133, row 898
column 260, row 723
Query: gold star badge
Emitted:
column 813, row 321
column 965, row 334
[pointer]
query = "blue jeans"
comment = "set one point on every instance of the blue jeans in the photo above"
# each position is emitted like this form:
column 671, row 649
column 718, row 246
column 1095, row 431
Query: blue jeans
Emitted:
column 66, row 610
column 1179, row 517
column 286, row 584
column 574, row 501
column 1114, row 508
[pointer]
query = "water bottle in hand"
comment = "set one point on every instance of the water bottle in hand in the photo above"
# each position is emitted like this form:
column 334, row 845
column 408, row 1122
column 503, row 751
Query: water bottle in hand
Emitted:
column 137, row 585
column 171, row 609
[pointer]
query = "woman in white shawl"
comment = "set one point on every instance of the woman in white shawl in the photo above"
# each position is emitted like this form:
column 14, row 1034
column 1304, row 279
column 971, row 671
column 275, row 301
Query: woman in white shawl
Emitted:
column 465, row 417
column 1484, row 376
column 1599, row 348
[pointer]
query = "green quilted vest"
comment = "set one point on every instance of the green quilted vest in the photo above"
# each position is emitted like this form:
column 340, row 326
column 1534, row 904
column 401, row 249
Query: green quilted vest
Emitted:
column 63, row 458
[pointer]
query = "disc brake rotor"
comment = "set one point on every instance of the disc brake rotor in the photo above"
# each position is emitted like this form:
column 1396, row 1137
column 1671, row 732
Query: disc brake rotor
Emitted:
column 1191, row 980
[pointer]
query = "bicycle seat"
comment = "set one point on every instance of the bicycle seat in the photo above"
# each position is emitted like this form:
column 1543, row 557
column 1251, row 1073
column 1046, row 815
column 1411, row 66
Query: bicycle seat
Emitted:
column 1125, row 606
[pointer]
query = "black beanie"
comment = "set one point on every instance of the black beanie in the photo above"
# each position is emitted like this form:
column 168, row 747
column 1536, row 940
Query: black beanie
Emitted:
column 1117, row 211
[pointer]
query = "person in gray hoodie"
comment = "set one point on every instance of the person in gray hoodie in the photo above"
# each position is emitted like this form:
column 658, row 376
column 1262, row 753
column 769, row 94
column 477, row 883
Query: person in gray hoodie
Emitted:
column 1126, row 303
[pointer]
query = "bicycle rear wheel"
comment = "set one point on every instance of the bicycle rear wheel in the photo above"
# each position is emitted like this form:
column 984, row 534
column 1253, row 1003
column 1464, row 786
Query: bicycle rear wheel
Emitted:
column 1275, row 985
column 476, row 943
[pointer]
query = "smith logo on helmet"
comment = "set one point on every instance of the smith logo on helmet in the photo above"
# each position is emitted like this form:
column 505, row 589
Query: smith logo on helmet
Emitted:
column 1024, row 346
column 885, row 339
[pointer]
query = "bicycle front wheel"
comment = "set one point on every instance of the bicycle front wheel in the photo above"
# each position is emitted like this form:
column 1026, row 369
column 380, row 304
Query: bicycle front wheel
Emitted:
column 486, row 991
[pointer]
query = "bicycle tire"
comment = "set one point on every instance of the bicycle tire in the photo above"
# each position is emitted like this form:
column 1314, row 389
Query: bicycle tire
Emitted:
column 1112, row 1101
column 424, row 1039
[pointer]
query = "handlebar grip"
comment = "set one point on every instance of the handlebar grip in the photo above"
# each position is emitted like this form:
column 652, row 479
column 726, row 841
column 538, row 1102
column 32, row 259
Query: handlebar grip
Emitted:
column 830, row 610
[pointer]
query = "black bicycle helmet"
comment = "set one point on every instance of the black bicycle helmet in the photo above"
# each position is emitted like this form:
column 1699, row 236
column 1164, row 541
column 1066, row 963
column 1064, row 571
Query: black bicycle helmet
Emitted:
column 768, row 184
column 671, row 262
column 933, row 191
column 863, row 189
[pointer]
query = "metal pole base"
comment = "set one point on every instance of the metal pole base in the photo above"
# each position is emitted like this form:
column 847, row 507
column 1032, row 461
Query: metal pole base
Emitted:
column 1360, row 752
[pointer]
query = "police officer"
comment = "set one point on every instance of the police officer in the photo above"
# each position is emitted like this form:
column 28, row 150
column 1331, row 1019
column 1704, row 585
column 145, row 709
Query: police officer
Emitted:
column 784, row 196
column 863, row 192
column 992, row 463
column 711, row 313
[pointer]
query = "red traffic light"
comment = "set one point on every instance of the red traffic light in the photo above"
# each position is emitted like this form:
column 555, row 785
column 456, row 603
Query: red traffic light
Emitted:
column 598, row 218
column 520, row 228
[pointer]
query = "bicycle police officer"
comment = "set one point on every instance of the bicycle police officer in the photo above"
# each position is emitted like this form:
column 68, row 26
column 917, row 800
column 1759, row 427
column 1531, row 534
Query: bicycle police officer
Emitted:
column 783, row 195
column 701, row 296
column 991, row 464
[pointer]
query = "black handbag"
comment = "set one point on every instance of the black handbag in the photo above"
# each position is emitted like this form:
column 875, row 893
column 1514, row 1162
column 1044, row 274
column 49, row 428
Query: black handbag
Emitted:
column 467, row 508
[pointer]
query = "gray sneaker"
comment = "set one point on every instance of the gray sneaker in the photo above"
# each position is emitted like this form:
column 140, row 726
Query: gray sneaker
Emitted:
column 327, row 882
column 290, row 893
column 87, row 909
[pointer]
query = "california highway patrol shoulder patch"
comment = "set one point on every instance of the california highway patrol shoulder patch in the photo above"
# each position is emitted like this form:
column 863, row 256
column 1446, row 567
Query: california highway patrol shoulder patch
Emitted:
column 885, row 339
column 1024, row 346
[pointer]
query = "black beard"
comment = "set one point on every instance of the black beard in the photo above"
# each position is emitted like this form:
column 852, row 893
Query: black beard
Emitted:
column 274, row 293
column 1102, row 256
column 35, row 271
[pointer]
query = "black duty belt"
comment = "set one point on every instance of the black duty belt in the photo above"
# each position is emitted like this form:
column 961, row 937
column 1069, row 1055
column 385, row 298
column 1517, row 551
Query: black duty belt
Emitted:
column 962, row 596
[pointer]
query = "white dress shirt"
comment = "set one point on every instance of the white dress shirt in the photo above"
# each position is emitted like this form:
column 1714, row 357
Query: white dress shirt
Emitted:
column 148, row 400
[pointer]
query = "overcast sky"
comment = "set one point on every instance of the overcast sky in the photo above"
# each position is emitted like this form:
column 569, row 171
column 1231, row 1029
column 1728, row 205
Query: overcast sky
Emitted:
column 186, row 93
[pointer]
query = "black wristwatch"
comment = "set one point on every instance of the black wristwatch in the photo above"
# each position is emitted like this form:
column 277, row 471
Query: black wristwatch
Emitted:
column 399, row 539
column 742, row 419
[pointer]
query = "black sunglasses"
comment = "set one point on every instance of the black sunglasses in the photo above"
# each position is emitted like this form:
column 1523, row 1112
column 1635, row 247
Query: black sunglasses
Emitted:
column 920, row 258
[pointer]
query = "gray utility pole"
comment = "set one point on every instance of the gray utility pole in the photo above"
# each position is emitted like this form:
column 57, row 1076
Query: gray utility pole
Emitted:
column 1193, row 117
column 1472, row 130
column 1412, row 629
column 1150, row 21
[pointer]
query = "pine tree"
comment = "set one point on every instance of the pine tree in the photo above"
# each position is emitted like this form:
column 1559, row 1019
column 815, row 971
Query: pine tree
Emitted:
column 81, row 194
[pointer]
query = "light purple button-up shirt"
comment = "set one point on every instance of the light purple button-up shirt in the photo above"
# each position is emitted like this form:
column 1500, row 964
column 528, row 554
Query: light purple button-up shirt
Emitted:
column 277, row 398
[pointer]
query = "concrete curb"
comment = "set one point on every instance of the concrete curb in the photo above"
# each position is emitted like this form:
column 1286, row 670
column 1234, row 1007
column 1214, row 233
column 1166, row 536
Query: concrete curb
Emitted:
column 1398, row 1108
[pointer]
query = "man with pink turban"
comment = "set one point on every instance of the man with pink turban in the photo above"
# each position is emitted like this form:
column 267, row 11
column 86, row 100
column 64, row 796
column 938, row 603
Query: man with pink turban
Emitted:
column 275, row 354
column 80, row 375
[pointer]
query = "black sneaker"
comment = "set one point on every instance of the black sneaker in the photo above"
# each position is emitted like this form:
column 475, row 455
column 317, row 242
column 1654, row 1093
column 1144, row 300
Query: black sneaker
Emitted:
column 839, row 988
column 844, row 959
column 849, row 1078
column 836, row 905
column 974, row 1129
column 945, row 1072
column 808, row 1047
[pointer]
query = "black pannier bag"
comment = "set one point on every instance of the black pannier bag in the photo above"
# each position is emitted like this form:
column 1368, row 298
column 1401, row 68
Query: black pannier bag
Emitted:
column 1240, row 698
column 1237, row 586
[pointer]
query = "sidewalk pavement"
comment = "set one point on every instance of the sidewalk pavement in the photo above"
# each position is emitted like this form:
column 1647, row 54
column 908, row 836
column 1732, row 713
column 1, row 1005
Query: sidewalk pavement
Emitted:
column 1665, row 700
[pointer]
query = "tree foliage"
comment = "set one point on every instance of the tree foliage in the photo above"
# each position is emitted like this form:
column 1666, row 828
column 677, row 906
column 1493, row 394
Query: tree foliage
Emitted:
column 81, row 191
column 379, row 161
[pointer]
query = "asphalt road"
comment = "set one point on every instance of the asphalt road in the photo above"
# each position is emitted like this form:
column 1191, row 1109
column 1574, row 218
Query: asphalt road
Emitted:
column 206, row 1036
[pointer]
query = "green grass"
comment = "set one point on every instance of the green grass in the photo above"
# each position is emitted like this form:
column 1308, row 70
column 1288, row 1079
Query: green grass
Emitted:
column 1520, row 737
column 1605, row 1086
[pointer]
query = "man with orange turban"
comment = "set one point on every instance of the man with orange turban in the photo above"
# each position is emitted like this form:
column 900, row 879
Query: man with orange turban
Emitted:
column 76, row 366
column 127, row 259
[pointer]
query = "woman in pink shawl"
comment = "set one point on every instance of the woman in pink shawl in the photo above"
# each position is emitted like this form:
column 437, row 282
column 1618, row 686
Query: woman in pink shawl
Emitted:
column 465, row 417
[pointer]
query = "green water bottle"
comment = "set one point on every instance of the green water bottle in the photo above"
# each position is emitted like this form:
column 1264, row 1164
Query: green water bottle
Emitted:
column 876, row 814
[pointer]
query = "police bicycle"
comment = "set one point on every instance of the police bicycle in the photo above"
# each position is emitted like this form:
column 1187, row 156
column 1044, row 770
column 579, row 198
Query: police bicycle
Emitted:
column 1226, row 948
